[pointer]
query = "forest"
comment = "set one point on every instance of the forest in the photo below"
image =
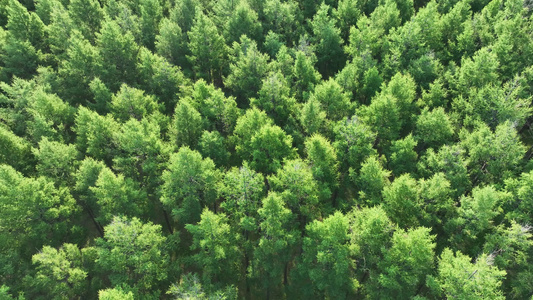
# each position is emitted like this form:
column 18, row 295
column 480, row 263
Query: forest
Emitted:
column 266, row 149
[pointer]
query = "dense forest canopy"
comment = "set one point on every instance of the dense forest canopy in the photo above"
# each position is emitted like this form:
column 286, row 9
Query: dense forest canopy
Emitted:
column 277, row 149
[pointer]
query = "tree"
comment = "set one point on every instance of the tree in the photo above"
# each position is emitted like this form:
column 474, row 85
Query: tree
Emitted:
column 384, row 117
column 118, row 52
column 458, row 277
column 313, row 117
column 130, row 102
column 324, row 166
column 95, row 134
column 509, row 247
column 493, row 156
column 283, row 18
column 354, row 142
column 347, row 13
column 246, row 127
column 141, row 154
column 371, row 232
column 475, row 218
column 208, row 49
column 187, row 125
column 56, row 161
column 371, row 181
column 217, row 255
column 170, row 43
column 214, row 146
column 403, row 156
column 221, row 112
column 406, row 264
column 401, row 202
column 247, row 70
column 189, row 184
column 243, row 21
column 298, row 189
column 60, row 272
column 270, row 146
column 327, row 256
column 334, row 99
column 433, row 128
column 33, row 212
column 436, row 197
column 160, row 78
column 274, row 251
column 87, row 15
column 151, row 14
column 242, row 190
column 305, row 75
column 15, row 151
column 328, row 42
column 116, row 196
column 131, row 254
column 82, row 63
column 274, row 98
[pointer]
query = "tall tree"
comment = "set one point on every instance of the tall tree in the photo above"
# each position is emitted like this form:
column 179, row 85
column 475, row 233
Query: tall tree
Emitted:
column 208, row 49
column 131, row 254
column 189, row 185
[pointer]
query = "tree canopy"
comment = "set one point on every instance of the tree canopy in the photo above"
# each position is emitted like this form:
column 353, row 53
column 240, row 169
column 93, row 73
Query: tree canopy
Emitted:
column 276, row 149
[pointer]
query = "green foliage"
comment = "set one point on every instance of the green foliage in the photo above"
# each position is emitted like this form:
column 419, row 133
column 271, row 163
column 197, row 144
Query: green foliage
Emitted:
column 56, row 160
column 118, row 52
column 242, row 190
column 275, row 247
column 207, row 47
column 247, row 70
column 298, row 189
column 327, row 257
column 270, row 146
column 328, row 43
column 433, row 128
column 324, row 166
column 33, row 212
column 217, row 255
column 131, row 254
column 371, row 180
column 401, row 202
column 403, row 156
column 458, row 277
column 187, row 125
column 130, row 103
column 406, row 264
column 189, row 184
column 278, row 149
column 60, row 273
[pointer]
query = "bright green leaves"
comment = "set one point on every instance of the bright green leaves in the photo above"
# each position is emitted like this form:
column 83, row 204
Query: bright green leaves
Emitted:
column 189, row 185
column 242, row 190
column 56, row 160
column 60, row 273
column 131, row 254
column 247, row 70
column 277, row 241
column 33, row 211
column 118, row 52
column 407, row 263
column 270, row 146
column 217, row 255
column 328, row 42
column 459, row 277
column 324, row 166
column 328, row 257
column 208, row 49
column 130, row 102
